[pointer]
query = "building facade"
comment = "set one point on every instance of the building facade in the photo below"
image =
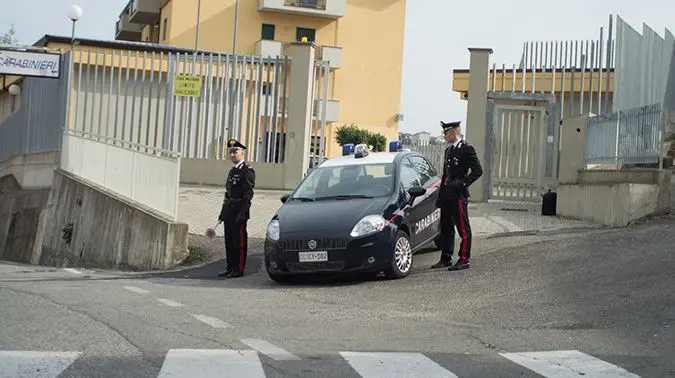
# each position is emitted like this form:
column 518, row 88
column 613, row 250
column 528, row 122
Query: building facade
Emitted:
column 365, row 73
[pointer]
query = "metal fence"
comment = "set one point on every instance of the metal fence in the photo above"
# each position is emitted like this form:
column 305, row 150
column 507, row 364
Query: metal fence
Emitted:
column 37, row 124
column 131, row 97
column 627, row 137
column 643, row 63
column 433, row 152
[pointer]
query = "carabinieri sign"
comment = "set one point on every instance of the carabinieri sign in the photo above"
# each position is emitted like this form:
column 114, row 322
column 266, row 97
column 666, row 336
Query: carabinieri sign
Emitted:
column 24, row 63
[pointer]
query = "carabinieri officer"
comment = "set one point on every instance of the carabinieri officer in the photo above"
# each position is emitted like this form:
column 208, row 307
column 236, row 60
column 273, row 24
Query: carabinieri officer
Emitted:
column 235, row 211
column 461, row 168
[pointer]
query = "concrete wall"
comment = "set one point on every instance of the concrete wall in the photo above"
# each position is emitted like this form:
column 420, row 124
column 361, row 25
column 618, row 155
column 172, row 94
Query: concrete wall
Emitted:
column 31, row 170
column 616, row 198
column 214, row 172
column 21, row 214
column 106, row 232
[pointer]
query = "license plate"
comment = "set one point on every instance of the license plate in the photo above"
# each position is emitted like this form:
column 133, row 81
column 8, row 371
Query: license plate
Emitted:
column 314, row 256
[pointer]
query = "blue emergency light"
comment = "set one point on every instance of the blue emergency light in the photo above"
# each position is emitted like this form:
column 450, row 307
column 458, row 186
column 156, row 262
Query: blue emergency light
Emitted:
column 347, row 149
column 395, row 146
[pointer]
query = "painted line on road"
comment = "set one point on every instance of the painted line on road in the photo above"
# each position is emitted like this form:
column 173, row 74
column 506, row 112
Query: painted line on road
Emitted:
column 73, row 271
column 213, row 322
column 395, row 365
column 35, row 364
column 567, row 363
column 211, row 363
column 136, row 290
column 270, row 350
column 169, row 302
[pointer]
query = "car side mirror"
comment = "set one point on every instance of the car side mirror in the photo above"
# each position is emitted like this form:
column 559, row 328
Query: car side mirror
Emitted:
column 284, row 198
column 416, row 191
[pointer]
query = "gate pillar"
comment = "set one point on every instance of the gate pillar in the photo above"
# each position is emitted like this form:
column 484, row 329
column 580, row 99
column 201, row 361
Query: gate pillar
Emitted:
column 476, row 113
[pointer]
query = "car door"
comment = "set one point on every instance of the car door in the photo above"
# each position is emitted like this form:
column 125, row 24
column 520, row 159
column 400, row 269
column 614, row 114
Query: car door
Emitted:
column 426, row 227
column 410, row 177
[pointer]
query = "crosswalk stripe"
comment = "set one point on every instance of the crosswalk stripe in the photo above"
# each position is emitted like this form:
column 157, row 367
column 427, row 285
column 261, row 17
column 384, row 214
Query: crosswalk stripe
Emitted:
column 18, row 364
column 395, row 365
column 212, row 363
column 136, row 290
column 270, row 350
column 568, row 363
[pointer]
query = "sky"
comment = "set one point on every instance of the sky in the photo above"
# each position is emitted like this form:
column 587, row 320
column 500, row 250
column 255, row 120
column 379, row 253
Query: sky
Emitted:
column 438, row 35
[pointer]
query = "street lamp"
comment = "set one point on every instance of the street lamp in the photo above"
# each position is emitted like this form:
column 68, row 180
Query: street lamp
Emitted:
column 75, row 13
column 14, row 90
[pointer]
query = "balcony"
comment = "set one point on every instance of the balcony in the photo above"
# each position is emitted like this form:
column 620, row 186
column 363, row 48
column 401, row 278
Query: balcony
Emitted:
column 145, row 12
column 268, row 48
column 331, row 54
column 126, row 31
column 318, row 8
column 332, row 109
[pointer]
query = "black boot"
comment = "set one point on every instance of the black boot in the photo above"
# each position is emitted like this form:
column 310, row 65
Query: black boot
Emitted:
column 460, row 265
column 444, row 262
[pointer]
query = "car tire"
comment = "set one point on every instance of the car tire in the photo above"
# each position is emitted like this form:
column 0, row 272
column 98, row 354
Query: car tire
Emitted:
column 402, row 257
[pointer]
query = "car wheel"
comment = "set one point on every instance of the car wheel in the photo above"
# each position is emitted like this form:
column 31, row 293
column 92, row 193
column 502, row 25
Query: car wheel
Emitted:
column 401, row 262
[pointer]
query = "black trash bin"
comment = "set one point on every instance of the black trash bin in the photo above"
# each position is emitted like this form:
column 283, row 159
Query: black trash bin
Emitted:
column 548, row 203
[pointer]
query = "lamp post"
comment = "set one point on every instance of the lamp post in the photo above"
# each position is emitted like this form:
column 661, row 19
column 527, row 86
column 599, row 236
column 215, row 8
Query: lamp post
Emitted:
column 236, row 22
column 75, row 13
column 199, row 15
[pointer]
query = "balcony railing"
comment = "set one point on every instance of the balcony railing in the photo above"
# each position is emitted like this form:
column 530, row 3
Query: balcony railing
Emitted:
column 311, row 4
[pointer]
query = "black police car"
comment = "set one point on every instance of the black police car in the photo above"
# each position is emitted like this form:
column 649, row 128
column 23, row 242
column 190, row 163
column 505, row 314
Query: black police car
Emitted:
column 362, row 212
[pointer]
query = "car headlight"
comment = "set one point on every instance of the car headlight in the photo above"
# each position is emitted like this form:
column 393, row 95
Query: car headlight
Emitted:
column 370, row 224
column 273, row 230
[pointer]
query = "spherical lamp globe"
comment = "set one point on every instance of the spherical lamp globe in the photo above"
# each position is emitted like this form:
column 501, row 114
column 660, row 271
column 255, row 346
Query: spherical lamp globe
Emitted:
column 14, row 90
column 75, row 12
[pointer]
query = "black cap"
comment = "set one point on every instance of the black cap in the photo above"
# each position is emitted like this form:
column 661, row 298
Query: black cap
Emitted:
column 235, row 143
column 450, row 125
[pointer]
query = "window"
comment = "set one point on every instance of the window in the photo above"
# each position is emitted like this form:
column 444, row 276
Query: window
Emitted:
column 267, row 32
column 372, row 180
column 409, row 176
column 166, row 23
column 305, row 32
column 425, row 169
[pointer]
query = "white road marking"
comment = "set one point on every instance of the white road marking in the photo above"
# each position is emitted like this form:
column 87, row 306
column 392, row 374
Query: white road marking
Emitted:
column 136, row 290
column 169, row 302
column 73, row 271
column 567, row 363
column 270, row 350
column 212, row 363
column 15, row 364
column 395, row 365
column 213, row 322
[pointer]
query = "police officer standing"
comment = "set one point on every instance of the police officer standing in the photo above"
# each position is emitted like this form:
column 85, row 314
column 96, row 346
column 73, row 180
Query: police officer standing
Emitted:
column 235, row 210
column 461, row 168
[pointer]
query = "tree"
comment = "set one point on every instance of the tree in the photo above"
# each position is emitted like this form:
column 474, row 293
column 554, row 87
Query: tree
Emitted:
column 9, row 38
column 356, row 135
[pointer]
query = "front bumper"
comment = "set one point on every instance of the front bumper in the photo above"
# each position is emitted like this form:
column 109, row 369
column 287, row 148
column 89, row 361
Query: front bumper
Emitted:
column 371, row 253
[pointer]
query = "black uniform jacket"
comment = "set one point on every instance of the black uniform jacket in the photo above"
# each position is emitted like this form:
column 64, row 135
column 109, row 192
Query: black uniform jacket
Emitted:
column 461, row 168
column 238, row 194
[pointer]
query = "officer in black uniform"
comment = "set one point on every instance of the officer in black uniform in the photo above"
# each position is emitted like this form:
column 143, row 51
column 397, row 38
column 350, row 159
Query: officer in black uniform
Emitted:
column 235, row 210
column 461, row 168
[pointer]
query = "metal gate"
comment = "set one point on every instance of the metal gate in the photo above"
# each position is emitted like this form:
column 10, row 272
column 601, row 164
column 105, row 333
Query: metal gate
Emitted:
column 518, row 145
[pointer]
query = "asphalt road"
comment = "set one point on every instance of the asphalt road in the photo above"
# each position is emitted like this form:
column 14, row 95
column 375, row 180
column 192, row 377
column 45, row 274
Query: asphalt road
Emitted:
column 592, row 304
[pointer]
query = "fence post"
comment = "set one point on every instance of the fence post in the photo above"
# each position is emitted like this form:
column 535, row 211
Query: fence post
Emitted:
column 299, row 113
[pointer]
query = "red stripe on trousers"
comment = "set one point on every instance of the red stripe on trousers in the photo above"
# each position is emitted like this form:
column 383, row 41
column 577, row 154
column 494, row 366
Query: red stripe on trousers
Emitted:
column 242, row 262
column 464, row 234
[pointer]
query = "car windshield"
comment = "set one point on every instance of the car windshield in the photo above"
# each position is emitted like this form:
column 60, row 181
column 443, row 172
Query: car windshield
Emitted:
column 345, row 182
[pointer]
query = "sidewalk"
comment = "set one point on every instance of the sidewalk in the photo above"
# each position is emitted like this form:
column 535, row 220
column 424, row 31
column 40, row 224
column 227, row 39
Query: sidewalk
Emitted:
column 200, row 205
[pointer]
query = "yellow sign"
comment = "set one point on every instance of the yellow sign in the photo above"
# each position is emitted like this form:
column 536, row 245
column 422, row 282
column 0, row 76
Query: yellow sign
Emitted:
column 187, row 85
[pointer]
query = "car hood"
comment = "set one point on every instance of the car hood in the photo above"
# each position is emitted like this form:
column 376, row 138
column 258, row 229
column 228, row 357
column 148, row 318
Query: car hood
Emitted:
column 328, row 216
